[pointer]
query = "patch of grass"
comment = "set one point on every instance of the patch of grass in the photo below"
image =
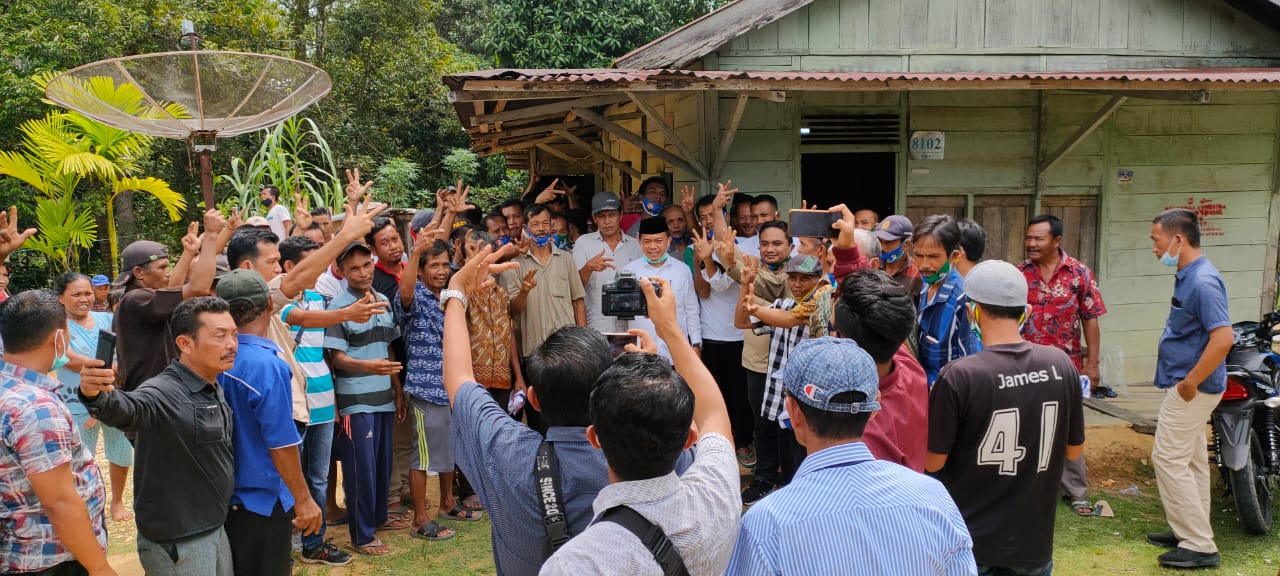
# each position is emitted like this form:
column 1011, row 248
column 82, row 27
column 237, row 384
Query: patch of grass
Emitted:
column 1098, row 546
column 467, row 554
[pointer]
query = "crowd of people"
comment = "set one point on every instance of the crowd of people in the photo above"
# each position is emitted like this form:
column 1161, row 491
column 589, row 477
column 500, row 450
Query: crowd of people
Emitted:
column 902, row 404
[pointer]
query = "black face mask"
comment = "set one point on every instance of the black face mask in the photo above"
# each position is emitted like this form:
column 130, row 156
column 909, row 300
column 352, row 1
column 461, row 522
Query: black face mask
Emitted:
column 267, row 201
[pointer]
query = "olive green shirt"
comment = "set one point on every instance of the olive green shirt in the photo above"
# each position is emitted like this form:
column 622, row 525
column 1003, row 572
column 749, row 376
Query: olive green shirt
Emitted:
column 549, row 306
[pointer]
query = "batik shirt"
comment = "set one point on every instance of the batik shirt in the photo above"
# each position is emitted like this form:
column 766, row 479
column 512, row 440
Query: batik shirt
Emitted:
column 37, row 435
column 489, row 322
column 422, row 325
column 1060, row 305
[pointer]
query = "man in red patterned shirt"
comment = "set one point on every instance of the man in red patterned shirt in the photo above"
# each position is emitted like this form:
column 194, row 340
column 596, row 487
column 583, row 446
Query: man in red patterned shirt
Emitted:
column 1064, row 299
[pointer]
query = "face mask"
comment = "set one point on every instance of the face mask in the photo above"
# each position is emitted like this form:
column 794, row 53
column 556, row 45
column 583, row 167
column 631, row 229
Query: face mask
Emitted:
column 539, row 240
column 1171, row 260
column 778, row 266
column 940, row 274
column 61, row 360
column 562, row 241
column 893, row 255
column 650, row 208
column 658, row 261
column 267, row 201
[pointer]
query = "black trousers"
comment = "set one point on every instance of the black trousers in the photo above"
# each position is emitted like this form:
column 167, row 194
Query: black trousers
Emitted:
column 724, row 361
column 71, row 568
column 260, row 545
column 778, row 455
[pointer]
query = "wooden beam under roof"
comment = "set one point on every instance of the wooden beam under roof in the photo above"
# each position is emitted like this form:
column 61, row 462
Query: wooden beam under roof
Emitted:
column 601, row 154
column 1083, row 132
column 730, row 132
column 670, row 134
column 639, row 142
column 550, row 108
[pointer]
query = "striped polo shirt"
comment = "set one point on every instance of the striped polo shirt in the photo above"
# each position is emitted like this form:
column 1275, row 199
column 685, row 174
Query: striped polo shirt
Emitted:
column 310, row 356
column 358, row 392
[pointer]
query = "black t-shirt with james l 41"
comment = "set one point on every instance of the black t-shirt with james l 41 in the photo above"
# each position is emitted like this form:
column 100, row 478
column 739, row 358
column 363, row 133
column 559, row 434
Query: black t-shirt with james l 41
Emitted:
column 1004, row 418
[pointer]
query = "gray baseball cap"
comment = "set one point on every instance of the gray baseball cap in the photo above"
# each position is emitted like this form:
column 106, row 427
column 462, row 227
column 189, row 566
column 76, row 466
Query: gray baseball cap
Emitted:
column 605, row 201
column 996, row 283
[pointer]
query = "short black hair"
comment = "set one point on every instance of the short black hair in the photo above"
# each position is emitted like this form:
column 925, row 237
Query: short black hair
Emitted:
column 378, row 224
column 943, row 228
column 512, row 202
column 703, row 202
column 1055, row 224
column 243, row 311
column 836, row 425
column 471, row 216
column 1180, row 221
column 294, row 248
column 763, row 198
column 65, row 280
column 244, row 242
column 973, row 239
column 185, row 320
column 320, row 211
column 875, row 311
column 496, row 214
column 437, row 248
column 641, row 410
column 779, row 224
column 534, row 210
column 28, row 318
column 273, row 191
column 563, row 371
column 654, row 180
column 1003, row 312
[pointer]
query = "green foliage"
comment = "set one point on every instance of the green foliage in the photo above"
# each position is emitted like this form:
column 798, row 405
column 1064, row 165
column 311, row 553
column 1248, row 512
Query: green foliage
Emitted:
column 462, row 164
column 295, row 157
column 489, row 197
column 64, row 229
column 397, row 184
column 580, row 33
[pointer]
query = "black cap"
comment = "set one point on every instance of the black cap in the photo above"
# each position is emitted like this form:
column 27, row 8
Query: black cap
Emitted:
column 354, row 246
column 654, row 225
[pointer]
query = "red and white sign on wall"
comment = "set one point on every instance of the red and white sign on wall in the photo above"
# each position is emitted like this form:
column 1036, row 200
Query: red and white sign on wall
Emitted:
column 1205, row 208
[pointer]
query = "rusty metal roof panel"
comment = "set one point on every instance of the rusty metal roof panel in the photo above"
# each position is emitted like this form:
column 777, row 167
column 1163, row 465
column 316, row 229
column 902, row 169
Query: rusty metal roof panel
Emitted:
column 609, row 76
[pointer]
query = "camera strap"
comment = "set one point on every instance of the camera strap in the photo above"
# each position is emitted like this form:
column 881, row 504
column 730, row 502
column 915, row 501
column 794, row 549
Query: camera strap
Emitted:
column 546, row 470
column 653, row 538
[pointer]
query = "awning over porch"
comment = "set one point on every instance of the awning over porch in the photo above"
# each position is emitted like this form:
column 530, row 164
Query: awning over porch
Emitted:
column 514, row 111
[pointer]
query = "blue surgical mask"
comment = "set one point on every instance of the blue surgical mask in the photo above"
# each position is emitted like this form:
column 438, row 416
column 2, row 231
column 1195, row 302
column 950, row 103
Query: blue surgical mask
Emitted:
column 62, row 359
column 658, row 261
column 651, row 208
column 539, row 240
column 1171, row 260
column 894, row 255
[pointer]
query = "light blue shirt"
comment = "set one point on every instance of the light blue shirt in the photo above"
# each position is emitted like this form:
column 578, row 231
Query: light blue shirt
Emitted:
column 848, row 513
column 84, row 341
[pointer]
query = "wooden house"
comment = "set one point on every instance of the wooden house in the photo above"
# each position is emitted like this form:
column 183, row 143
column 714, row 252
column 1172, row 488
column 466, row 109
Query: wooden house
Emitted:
column 1103, row 112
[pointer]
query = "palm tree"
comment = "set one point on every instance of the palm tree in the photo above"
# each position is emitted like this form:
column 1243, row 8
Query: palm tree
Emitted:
column 65, row 148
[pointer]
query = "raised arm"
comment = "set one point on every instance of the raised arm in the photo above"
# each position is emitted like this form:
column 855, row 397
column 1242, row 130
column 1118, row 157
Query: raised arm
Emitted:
column 709, row 413
column 10, row 238
column 190, row 247
column 201, row 282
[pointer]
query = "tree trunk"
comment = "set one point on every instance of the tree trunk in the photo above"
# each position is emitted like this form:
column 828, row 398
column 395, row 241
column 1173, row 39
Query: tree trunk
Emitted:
column 125, row 224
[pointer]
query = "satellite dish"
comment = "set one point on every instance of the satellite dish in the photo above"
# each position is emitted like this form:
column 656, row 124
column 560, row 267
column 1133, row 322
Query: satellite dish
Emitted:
column 195, row 95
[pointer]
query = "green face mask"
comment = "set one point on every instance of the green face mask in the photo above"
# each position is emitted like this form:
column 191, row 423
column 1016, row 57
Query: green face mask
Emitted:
column 940, row 274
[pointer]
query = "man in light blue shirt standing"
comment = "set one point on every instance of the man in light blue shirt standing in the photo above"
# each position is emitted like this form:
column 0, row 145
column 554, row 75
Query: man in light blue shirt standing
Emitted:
column 846, row 512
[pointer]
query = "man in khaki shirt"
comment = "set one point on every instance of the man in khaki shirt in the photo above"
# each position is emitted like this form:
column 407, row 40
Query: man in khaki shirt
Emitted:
column 546, row 291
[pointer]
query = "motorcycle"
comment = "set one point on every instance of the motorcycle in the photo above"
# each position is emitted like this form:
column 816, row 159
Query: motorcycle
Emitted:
column 1246, row 423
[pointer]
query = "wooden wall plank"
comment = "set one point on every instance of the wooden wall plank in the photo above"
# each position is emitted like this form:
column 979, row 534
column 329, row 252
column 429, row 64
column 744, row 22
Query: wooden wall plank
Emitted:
column 970, row 23
column 1026, row 28
column 1055, row 23
column 1186, row 149
column 1196, row 119
column 1197, row 179
column 765, row 38
column 1142, row 290
column 793, row 31
column 961, row 118
column 1000, row 23
column 914, row 24
column 1113, row 24
column 1226, row 232
column 886, row 16
column 1197, row 28
column 823, row 20
column 1085, row 30
column 854, row 21
column 942, row 23
column 1226, row 206
column 1141, row 262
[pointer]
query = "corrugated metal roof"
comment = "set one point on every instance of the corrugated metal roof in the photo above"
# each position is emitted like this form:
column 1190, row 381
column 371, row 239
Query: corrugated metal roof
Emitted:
column 612, row 76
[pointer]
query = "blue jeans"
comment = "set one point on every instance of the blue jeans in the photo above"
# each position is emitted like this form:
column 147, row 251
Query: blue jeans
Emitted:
column 1000, row 571
column 317, row 443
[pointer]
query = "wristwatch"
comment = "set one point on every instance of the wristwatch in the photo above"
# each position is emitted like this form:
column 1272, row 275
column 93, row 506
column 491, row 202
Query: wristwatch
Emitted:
column 447, row 295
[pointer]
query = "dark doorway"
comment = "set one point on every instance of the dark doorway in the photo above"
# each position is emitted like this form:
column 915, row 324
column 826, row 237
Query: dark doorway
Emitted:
column 858, row 180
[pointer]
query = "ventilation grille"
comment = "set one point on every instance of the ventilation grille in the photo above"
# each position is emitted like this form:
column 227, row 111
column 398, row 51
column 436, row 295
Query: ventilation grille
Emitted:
column 865, row 129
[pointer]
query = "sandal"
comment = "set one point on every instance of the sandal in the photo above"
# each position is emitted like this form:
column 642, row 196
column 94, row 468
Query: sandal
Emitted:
column 462, row 514
column 432, row 531
column 1082, row 507
column 374, row 548
column 395, row 523
column 747, row 458
column 472, row 502
column 338, row 521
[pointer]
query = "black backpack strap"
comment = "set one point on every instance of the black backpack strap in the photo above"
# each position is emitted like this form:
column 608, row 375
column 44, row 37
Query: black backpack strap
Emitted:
column 653, row 538
column 546, row 469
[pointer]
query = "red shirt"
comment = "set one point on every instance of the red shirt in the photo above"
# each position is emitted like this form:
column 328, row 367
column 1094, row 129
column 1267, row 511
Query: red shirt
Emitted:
column 899, row 432
column 1060, row 305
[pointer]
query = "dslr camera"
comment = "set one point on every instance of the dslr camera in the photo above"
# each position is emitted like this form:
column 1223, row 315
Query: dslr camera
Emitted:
column 623, row 298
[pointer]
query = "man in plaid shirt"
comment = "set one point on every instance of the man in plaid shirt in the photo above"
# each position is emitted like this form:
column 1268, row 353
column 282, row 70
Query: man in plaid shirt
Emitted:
column 51, row 496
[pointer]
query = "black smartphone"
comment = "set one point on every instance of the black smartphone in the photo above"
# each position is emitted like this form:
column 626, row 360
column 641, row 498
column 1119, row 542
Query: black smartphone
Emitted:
column 618, row 342
column 106, row 348
column 813, row 223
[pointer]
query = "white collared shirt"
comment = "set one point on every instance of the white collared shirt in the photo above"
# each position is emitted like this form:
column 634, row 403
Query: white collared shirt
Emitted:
column 688, row 308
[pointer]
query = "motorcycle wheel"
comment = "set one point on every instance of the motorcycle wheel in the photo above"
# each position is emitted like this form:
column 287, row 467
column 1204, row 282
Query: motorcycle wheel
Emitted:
column 1252, row 494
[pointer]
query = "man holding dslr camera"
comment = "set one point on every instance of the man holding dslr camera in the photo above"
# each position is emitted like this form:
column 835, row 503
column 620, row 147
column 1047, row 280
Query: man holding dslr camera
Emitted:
column 656, row 262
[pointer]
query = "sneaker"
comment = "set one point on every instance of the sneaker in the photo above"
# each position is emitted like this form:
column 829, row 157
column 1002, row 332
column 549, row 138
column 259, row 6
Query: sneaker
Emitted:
column 1104, row 392
column 1183, row 558
column 1163, row 539
column 326, row 554
column 754, row 493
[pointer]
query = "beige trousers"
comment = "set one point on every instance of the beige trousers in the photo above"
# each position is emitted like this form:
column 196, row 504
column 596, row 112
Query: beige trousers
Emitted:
column 1180, row 457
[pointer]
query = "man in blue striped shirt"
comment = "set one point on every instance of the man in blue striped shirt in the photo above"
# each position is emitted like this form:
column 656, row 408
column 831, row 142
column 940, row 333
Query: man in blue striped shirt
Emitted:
column 944, row 333
column 846, row 512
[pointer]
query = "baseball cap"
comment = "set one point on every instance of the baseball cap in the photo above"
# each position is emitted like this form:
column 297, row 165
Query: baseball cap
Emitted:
column 139, row 253
column 421, row 218
column 354, row 246
column 100, row 280
column 244, row 284
column 819, row 369
column 605, row 201
column 804, row 264
column 894, row 228
column 996, row 283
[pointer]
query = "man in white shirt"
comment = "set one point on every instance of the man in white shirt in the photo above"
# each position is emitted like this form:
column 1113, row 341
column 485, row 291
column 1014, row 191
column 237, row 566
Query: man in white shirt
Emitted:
column 278, row 217
column 656, row 262
column 599, row 255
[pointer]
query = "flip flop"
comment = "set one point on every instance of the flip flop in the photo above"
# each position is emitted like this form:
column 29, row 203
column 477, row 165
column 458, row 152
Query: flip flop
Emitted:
column 339, row 521
column 1082, row 507
column 462, row 514
column 395, row 523
column 432, row 531
column 373, row 548
column 473, row 503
